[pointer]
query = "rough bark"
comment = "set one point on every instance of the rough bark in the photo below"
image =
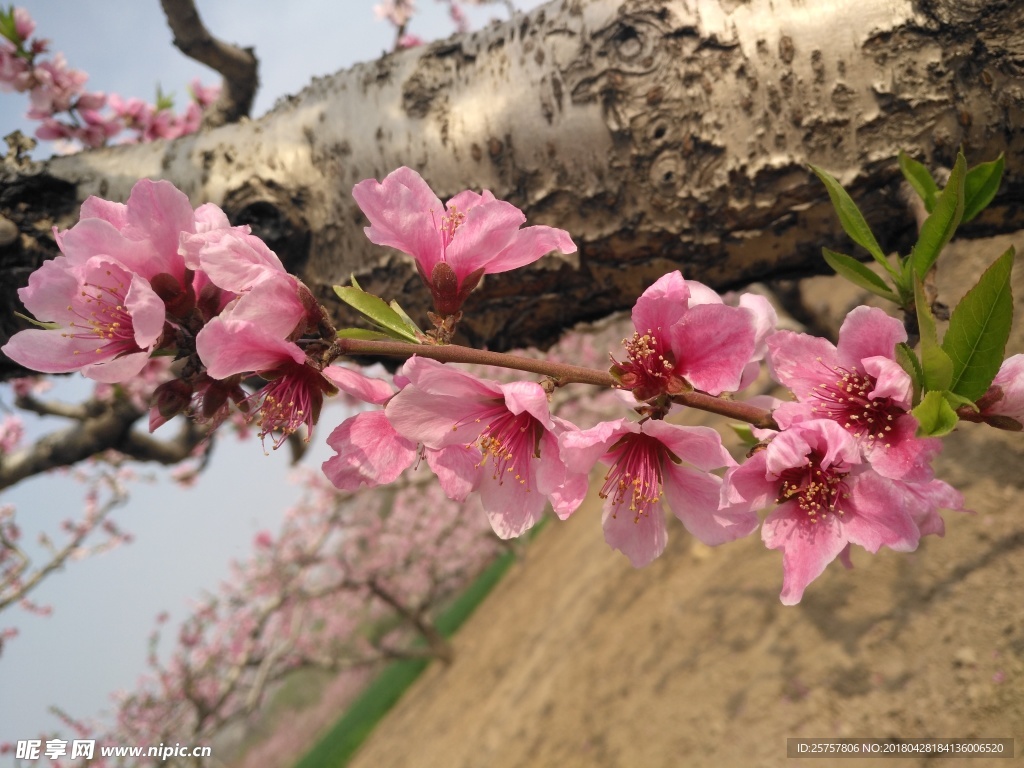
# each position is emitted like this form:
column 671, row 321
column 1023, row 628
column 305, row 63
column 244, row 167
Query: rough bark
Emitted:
column 661, row 133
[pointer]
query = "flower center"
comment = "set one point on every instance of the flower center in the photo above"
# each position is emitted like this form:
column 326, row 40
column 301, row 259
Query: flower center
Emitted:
column 449, row 223
column 635, row 474
column 510, row 441
column 292, row 398
column 816, row 491
column 846, row 399
column 104, row 317
column 649, row 368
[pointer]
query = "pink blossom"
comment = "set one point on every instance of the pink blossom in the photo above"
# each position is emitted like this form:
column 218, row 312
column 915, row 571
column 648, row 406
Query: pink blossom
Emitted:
column 506, row 428
column 685, row 338
column 1010, row 384
column 857, row 384
column 296, row 385
column 368, row 451
column 203, row 95
column 828, row 498
column 652, row 463
column 454, row 245
column 143, row 234
column 24, row 25
column 108, row 320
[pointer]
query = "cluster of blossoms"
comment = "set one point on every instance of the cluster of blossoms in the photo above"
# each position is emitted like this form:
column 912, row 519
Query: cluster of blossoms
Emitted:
column 66, row 111
column 841, row 463
column 400, row 12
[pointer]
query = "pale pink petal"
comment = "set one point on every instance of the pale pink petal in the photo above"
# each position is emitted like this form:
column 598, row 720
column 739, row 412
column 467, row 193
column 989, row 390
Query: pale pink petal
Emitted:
column 123, row 368
column 457, row 468
column 97, row 237
column 233, row 259
column 701, row 294
column 528, row 397
column 642, row 541
column 581, row 450
column 369, row 452
column 432, row 376
column 160, row 212
column 699, row 446
column 147, row 311
column 694, row 497
column 97, row 208
column 209, row 216
column 365, row 388
column 512, row 507
column 50, row 290
column 748, row 487
column 799, row 361
column 1011, row 380
column 469, row 199
column 890, row 380
column 49, row 351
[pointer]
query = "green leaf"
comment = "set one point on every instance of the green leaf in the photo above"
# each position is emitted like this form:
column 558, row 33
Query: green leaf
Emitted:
column 935, row 416
column 981, row 185
column 979, row 328
column 402, row 313
column 379, row 313
column 908, row 362
column 365, row 334
column 850, row 217
column 745, row 433
column 939, row 227
column 858, row 274
column 958, row 401
column 920, row 179
column 936, row 365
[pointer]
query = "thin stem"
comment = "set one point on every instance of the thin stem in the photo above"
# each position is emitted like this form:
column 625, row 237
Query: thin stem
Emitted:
column 560, row 373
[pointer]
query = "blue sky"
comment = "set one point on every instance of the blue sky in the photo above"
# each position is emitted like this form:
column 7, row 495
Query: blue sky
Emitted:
column 104, row 607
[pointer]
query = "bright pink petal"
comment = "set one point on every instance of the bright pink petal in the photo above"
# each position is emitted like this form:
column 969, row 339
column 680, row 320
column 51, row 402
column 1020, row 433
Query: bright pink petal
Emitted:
column 527, row 246
column 748, row 487
column 485, row 231
column 227, row 348
column 404, row 213
column 713, row 344
column 97, row 237
column 49, row 351
column 807, row 549
column 662, row 305
column 868, row 332
column 233, row 259
column 432, row 376
column 369, row 452
column 273, row 303
column 875, row 516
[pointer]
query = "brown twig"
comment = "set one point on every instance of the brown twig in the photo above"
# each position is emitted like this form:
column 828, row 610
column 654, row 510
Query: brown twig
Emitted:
column 238, row 66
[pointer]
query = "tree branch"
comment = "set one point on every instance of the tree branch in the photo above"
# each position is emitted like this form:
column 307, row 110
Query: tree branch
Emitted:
column 238, row 66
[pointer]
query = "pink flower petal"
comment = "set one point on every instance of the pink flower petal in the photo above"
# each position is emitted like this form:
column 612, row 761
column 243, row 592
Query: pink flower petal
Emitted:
column 868, row 332
column 641, row 541
column 369, row 452
column 365, row 388
column 807, row 550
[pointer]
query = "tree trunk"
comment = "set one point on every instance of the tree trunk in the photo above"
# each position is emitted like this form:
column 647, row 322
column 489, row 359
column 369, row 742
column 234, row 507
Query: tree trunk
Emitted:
column 661, row 134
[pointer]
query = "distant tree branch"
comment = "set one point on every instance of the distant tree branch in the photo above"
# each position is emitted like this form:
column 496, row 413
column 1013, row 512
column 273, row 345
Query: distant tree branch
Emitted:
column 99, row 427
column 238, row 66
